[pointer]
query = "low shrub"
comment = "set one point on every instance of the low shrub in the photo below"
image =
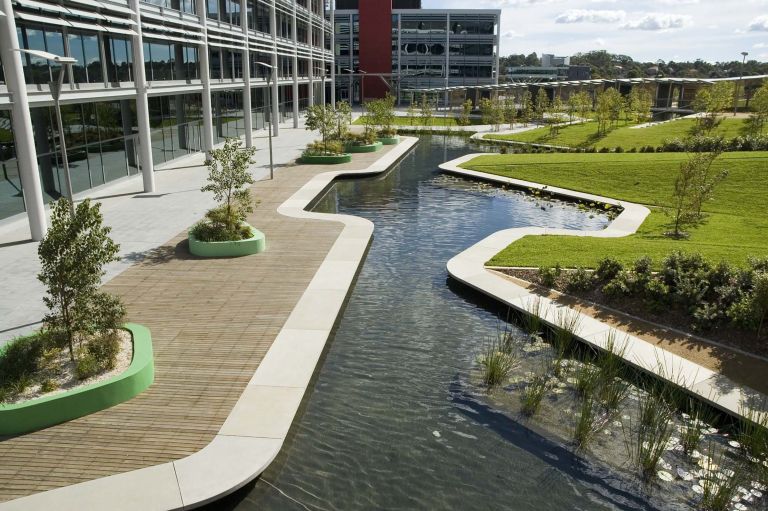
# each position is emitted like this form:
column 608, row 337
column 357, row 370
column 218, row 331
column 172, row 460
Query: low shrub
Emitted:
column 20, row 357
column 548, row 276
column 367, row 137
column 607, row 269
column 213, row 227
column 86, row 366
column 104, row 348
column 318, row 148
column 579, row 280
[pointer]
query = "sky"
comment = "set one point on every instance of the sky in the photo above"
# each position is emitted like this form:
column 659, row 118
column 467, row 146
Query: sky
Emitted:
column 646, row 30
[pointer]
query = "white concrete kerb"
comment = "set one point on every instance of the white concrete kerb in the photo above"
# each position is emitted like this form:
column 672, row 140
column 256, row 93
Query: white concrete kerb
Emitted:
column 254, row 432
column 469, row 267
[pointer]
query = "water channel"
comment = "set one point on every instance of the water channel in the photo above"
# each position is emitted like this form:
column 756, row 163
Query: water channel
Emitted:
column 393, row 419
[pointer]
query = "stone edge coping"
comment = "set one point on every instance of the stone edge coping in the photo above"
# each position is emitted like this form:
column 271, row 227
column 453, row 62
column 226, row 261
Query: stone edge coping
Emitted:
column 469, row 267
column 254, row 432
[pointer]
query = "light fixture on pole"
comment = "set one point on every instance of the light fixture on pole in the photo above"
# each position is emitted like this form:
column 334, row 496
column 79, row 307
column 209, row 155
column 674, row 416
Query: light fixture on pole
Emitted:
column 362, row 79
column 269, row 110
column 741, row 77
column 55, row 88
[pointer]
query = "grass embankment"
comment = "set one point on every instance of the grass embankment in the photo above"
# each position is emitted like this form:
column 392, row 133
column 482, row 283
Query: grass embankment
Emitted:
column 585, row 135
column 735, row 227
column 417, row 121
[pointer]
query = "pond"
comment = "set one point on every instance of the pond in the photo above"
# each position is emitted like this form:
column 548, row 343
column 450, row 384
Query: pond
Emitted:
column 396, row 418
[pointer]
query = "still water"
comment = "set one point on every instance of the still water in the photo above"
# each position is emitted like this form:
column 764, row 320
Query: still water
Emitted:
column 392, row 420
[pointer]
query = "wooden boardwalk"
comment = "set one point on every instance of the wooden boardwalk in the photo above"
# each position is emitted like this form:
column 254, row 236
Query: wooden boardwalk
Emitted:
column 212, row 322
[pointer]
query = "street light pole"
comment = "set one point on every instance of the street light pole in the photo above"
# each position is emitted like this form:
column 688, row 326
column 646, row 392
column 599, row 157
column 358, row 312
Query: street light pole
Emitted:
column 269, row 110
column 738, row 84
column 56, row 93
column 55, row 88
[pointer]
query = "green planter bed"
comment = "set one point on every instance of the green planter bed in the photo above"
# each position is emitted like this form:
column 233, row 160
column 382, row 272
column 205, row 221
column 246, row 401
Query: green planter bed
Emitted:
column 19, row 418
column 368, row 148
column 390, row 140
column 253, row 245
column 331, row 159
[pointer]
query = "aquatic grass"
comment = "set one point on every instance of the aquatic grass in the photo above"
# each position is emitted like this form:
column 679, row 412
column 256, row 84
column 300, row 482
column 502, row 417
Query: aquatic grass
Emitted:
column 721, row 479
column 497, row 362
column 647, row 441
column 691, row 434
column 587, row 379
column 568, row 322
column 613, row 388
column 533, row 394
column 532, row 317
column 753, row 431
column 585, row 429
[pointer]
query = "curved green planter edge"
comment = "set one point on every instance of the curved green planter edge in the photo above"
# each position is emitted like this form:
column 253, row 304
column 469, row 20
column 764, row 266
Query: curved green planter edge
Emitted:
column 368, row 148
column 333, row 159
column 390, row 140
column 253, row 245
column 47, row 411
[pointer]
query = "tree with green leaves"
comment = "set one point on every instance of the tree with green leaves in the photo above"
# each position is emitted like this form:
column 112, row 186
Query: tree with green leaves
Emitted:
column 510, row 110
column 73, row 254
column 526, row 107
column 382, row 113
column 759, row 116
column 466, row 110
column 486, row 110
column 324, row 119
column 694, row 186
column 426, row 110
column 542, row 104
column 607, row 109
column 342, row 117
column 228, row 180
column 556, row 109
column 579, row 103
column 710, row 102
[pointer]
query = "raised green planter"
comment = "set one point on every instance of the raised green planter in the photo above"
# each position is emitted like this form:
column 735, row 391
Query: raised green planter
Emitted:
column 390, row 140
column 368, row 148
column 253, row 245
column 331, row 159
column 19, row 418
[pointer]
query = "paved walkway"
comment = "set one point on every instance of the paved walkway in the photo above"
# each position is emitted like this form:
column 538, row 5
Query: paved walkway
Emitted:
column 139, row 221
column 212, row 322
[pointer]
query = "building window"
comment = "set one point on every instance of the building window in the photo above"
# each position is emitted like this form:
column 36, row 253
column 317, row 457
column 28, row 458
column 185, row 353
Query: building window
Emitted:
column 39, row 70
column 85, row 48
column 119, row 55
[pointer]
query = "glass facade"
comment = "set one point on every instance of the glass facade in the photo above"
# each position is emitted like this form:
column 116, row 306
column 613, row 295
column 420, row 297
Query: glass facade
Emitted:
column 175, row 126
column 101, row 134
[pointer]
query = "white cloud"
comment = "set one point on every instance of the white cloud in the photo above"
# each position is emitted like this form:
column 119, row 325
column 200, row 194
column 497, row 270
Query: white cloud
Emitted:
column 759, row 24
column 677, row 2
column 590, row 16
column 599, row 42
column 760, row 45
column 512, row 34
column 659, row 21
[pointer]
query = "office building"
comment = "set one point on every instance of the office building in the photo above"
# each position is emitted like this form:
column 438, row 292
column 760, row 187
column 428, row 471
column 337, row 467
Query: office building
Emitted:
column 153, row 81
column 396, row 46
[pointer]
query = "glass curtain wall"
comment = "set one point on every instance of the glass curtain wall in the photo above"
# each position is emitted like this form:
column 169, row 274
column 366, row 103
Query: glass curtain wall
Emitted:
column 176, row 126
column 228, row 115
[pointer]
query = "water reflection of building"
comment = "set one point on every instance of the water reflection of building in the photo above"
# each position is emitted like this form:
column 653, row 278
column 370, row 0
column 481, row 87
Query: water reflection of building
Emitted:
column 188, row 51
column 395, row 46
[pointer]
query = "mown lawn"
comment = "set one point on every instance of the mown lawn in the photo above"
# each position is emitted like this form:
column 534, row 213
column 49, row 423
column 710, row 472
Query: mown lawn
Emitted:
column 585, row 135
column 736, row 224
column 435, row 121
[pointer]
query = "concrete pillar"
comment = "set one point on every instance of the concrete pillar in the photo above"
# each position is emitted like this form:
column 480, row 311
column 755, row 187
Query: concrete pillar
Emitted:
column 295, row 70
column 333, row 50
column 205, row 79
column 275, row 72
column 246, row 59
column 142, row 103
column 26, row 154
column 322, row 75
column 311, row 73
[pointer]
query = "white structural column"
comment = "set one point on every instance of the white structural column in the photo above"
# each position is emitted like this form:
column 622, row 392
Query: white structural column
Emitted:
column 205, row 79
column 496, row 42
column 142, row 103
column 333, row 51
column 295, row 70
column 275, row 71
column 311, row 70
column 322, row 75
column 247, row 117
column 26, row 154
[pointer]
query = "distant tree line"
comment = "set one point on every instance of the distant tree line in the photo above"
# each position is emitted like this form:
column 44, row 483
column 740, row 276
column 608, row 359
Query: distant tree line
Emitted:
column 611, row 65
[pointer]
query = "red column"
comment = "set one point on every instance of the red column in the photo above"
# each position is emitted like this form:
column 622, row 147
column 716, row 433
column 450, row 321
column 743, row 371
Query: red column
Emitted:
column 375, row 44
